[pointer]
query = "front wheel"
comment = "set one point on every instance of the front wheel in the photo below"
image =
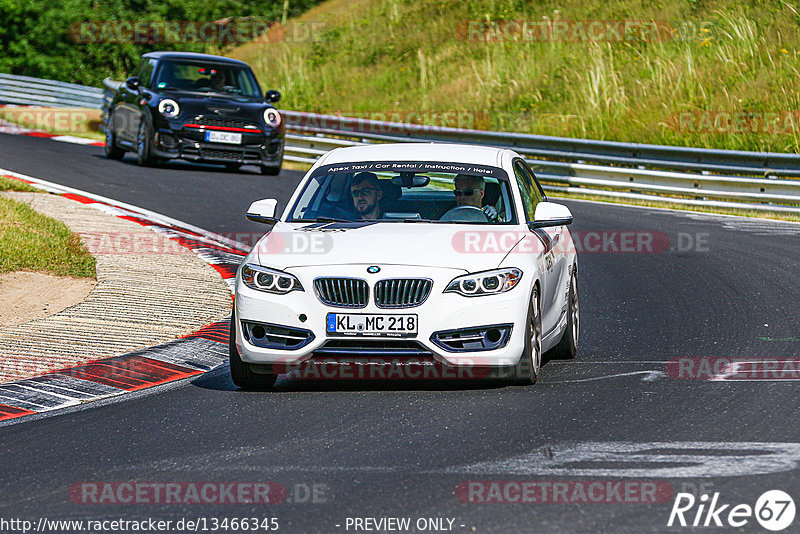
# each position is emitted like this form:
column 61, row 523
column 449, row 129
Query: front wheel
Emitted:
column 241, row 374
column 144, row 141
column 527, row 369
column 567, row 348
column 111, row 149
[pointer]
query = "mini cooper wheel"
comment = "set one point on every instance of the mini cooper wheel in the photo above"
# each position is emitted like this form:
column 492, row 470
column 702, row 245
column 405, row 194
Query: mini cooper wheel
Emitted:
column 567, row 348
column 144, row 141
column 111, row 149
column 527, row 369
column 241, row 373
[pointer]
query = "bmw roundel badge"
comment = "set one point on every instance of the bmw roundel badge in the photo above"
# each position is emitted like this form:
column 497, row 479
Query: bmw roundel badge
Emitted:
column 374, row 269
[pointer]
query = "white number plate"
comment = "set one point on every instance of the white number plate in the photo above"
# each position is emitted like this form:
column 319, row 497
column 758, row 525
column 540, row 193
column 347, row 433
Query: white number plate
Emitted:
column 224, row 137
column 361, row 324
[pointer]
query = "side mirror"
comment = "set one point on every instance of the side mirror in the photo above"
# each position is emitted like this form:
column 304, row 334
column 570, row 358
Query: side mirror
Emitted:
column 550, row 214
column 133, row 83
column 272, row 96
column 263, row 211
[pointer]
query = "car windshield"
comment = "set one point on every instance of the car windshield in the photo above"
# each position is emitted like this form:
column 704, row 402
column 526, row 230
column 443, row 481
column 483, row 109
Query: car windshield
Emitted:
column 204, row 77
column 421, row 192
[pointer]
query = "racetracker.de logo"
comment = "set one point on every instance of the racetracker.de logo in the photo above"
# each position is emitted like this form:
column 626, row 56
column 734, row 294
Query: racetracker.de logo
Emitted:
column 729, row 369
column 564, row 492
column 379, row 368
column 177, row 493
column 494, row 241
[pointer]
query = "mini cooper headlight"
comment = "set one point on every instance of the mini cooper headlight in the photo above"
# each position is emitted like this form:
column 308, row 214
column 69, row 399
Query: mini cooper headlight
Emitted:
column 269, row 280
column 169, row 108
column 272, row 117
column 485, row 283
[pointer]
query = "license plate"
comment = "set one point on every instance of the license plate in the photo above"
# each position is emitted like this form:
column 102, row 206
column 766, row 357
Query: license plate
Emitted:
column 224, row 137
column 361, row 324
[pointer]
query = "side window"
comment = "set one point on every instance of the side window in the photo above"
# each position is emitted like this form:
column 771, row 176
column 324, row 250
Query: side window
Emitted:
column 536, row 186
column 527, row 189
column 146, row 72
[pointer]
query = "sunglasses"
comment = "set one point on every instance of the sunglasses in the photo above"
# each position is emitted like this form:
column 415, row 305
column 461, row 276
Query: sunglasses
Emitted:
column 366, row 191
column 463, row 192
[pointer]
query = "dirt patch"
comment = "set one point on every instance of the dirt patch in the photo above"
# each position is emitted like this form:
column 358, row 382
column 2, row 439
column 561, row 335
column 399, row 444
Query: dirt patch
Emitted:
column 25, row 296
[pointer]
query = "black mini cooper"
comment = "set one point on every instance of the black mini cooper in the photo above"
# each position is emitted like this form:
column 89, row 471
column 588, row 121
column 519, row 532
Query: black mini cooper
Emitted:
column 197, row 107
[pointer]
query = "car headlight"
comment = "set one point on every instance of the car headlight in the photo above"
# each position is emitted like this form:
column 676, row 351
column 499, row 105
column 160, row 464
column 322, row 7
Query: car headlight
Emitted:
column 485, row 283
column 169, row 108
column 272, row 117
column 269, row 280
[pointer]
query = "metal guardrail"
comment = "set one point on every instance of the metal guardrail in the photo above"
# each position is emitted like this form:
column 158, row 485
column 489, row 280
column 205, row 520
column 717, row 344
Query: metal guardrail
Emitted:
column 752, row 180
column 693, row 176
column 34, row 91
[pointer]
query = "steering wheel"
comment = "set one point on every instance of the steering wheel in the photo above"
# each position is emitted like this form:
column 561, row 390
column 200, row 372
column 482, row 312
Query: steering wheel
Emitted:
column 465, row 214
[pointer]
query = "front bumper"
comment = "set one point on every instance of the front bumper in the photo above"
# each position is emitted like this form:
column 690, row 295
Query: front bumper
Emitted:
column 256, row 148
column 441, row 313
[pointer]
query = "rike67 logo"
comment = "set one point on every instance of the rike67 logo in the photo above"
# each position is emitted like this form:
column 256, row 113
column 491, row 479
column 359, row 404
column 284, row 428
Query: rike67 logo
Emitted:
column 774, row 510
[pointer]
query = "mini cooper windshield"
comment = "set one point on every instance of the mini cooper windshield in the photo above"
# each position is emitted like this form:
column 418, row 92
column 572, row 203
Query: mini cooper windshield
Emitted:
column 202, row 77
column 406, row 192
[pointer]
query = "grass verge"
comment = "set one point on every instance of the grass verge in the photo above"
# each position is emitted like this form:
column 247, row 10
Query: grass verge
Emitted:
column 717, row 74
column 30, row 241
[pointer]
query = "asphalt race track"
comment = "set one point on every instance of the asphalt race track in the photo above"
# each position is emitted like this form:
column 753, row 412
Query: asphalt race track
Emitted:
column 723, row 288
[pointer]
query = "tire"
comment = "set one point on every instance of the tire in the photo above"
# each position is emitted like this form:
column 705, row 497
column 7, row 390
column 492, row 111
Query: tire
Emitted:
column 271, row 170
column 241, row 374
column 232, row 167
column 527, row 369
column 144, row 141
column 567, row 348
column 111, row 149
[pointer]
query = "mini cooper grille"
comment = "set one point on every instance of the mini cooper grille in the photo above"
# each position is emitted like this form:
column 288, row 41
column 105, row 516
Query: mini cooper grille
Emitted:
column 402, row 292
column 224, row 123
column 342, row 292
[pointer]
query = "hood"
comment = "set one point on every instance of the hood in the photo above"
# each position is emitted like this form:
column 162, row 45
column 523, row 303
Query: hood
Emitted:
column 193, row 104
column 422, row 244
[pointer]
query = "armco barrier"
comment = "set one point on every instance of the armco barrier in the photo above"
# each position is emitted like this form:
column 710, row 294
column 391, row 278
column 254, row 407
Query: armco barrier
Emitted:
column 765, row 181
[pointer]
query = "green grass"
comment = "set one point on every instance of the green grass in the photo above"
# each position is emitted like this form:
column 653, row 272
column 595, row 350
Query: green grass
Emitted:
column 10, row 184
column 407, row 56
column 33, row 242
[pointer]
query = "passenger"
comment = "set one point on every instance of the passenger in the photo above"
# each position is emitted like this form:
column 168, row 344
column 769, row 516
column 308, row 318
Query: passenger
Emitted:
column 367, row 195
column 469, row 191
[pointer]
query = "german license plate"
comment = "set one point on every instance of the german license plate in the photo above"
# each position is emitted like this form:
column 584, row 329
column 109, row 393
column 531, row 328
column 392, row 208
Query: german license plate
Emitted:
column 224, row 137
column 362, row 324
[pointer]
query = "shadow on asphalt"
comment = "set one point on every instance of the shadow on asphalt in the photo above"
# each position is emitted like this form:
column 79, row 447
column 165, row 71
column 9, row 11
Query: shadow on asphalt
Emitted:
column 220, row 380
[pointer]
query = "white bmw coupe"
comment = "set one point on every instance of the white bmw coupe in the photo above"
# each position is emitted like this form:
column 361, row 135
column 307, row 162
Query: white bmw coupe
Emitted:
column 426, row 254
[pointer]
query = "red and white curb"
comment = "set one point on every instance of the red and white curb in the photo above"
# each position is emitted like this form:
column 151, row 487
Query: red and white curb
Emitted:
column 191, row 355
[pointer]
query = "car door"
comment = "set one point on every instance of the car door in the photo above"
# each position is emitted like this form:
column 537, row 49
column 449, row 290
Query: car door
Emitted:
column 544, row 247
column 129, row 109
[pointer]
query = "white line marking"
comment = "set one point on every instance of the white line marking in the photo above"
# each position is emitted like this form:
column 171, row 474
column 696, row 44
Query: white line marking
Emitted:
column 649, row 377
column 688, row 459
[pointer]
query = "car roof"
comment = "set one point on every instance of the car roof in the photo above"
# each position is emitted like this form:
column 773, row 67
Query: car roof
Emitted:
column 442, row 152
column 193, row 56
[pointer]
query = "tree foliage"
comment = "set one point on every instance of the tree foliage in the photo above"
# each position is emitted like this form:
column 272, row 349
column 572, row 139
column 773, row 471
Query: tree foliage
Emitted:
column 44, row 39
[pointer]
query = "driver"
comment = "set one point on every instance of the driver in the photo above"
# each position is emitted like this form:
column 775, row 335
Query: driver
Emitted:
column 469, row 191
column 367, row 195
column 217, row 81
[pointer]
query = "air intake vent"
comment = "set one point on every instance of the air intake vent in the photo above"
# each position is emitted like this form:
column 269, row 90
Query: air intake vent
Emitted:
column 342, row 292
column 402, row 292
